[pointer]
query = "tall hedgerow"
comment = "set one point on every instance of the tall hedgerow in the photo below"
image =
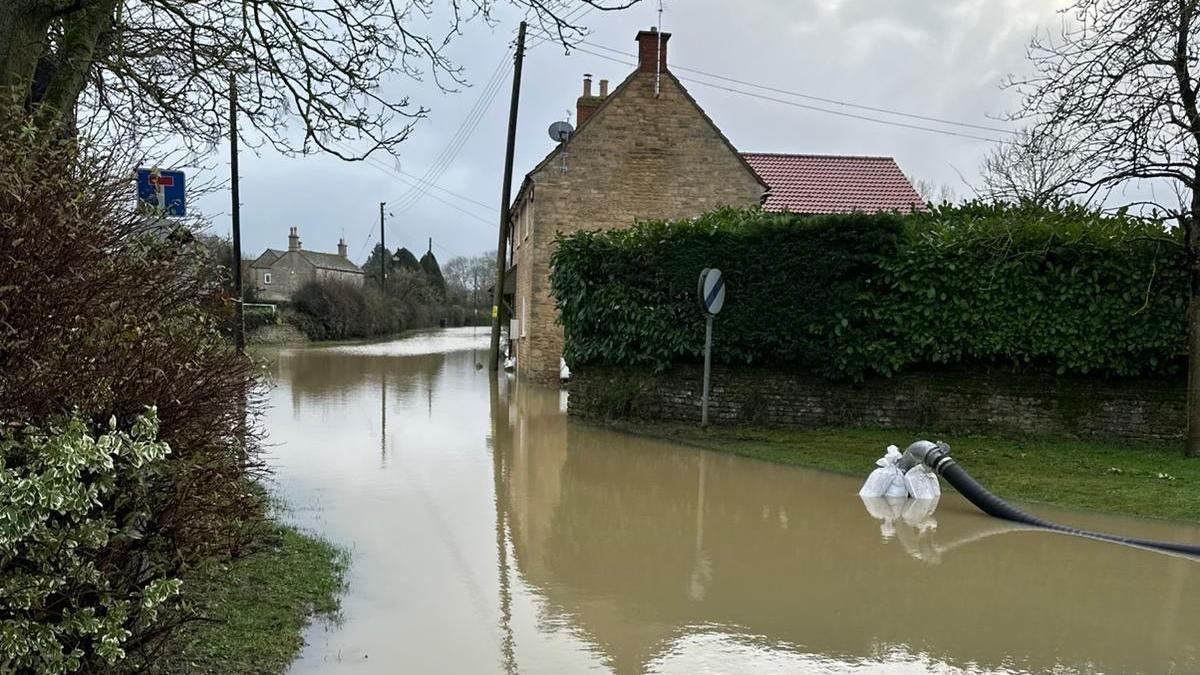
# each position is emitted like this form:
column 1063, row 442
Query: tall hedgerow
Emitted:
column 1065, row 290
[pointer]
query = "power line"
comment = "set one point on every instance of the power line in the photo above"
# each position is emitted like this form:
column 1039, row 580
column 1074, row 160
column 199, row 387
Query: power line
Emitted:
column 811, row 97
column 409, row 179
column 573, row 15
column 367, row 242
column 806, row 106
column 471, row 122
column 385, row 169
column 452, row 193
column 456, row 143
column 464, row 131
column 447, row 251
column 468, row 126
column 402, row 174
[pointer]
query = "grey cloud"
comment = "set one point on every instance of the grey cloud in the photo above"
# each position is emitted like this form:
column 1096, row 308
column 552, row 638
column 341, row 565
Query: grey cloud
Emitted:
column 937, row 58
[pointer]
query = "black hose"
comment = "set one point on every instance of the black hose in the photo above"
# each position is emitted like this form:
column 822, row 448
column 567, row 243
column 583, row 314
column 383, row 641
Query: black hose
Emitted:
column 994, row 506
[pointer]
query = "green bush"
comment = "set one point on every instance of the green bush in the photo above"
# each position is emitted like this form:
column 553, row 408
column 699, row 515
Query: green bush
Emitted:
column 106, row 313
column 258, row 317
column 336, row 310
column 1014, row 285
column 69, row 503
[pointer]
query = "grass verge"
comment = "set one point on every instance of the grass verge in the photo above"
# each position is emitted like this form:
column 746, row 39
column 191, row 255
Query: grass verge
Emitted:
column 257, row 607
column 1136, row 478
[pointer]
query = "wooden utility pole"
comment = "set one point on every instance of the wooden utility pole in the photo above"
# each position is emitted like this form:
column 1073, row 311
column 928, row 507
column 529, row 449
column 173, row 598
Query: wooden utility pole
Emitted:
column 383, row 252
column 506, row 197
column 239, row 323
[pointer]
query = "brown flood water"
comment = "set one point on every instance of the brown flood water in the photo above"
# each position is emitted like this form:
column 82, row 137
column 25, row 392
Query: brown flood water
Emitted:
column 489, row 534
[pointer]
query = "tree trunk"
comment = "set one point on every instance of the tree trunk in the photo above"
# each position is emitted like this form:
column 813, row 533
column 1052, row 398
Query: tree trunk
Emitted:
column 75, row 57
column 24, row 27
column 1192, row 246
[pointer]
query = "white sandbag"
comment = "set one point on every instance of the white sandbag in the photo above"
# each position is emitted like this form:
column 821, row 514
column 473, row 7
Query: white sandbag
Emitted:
column 922, row 483
column 887, row 480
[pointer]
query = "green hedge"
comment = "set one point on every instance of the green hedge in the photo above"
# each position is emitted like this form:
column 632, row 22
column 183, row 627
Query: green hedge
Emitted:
column 1063, row 290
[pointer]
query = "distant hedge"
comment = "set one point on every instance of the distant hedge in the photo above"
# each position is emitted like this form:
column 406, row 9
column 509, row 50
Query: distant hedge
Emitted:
column 1066, row 290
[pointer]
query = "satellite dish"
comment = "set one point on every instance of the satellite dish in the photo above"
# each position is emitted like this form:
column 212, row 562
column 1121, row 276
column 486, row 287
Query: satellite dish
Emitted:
column 560, row 131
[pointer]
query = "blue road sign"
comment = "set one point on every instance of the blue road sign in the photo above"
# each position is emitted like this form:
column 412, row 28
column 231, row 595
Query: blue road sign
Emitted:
column 161, row 188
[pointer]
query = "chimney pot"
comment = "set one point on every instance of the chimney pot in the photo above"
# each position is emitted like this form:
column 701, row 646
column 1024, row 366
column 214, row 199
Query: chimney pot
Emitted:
column 587, row 102
column 603, row 88
column 294, row 239
column 342, row 247
column 649, row 53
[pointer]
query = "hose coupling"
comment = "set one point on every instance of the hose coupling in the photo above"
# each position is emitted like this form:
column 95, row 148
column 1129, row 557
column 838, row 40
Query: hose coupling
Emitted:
column 938, row 457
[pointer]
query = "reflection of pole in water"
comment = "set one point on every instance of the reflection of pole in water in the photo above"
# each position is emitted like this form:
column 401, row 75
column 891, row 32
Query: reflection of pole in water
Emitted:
column 475, row 318
column 383, row 421
column 508, row 653
column 702, row 567
column 700, row 509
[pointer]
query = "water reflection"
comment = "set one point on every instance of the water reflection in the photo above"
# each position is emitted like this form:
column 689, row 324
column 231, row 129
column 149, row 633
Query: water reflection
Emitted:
column 640, row 542
column 491, row 535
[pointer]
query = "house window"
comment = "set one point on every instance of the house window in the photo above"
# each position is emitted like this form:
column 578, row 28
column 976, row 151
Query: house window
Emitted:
column 266, row 277
column 524, row 317
column 527, row 216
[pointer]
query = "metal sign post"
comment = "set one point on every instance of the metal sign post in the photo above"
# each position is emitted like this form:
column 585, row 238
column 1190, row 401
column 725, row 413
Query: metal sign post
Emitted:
column 711, row 290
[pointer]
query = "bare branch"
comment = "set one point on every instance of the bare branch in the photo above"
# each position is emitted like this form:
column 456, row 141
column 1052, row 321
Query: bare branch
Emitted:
column 311, row 74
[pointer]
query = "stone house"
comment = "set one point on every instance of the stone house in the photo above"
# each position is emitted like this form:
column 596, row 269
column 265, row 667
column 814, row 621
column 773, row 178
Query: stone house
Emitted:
column 276, row 274
column 647, row 150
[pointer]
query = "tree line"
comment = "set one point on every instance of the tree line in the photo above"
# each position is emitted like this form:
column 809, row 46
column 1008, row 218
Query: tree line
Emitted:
column 415, row 294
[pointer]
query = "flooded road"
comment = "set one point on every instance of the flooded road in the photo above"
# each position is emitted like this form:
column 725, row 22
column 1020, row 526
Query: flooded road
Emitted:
column 488, row 534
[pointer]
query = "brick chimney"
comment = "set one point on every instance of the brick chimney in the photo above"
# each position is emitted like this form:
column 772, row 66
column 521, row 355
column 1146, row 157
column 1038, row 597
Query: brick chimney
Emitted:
column 294, row 239
column 648, row 49
column 342, row 247
column 588, row 103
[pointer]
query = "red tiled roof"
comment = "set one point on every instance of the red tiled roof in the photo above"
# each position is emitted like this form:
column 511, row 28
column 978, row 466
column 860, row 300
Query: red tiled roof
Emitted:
column 833, row 183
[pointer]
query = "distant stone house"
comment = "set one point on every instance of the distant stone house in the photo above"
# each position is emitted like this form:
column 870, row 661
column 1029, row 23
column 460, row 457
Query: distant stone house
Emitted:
column 648, row 151
column 278, row 274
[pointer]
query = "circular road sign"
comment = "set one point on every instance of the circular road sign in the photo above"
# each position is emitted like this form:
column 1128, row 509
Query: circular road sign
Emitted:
column 712, row 290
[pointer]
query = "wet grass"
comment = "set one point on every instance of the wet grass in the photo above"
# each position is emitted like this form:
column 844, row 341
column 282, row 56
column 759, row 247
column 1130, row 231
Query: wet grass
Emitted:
column 257, row 608
column 1138, row 478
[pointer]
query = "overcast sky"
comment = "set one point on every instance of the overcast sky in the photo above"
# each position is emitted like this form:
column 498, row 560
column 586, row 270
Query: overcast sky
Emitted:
column 936, row 58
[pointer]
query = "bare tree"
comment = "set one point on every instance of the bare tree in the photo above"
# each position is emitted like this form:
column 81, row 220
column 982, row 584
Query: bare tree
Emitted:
column 164, row 65
column 1032, row 167
column 468, row 277
column 934, row 193
column 1118, row 85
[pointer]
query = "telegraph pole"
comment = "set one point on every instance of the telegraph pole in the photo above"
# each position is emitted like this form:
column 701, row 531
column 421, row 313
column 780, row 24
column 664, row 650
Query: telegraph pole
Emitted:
column 506, row 197
column 383, row 253
column 239, row 325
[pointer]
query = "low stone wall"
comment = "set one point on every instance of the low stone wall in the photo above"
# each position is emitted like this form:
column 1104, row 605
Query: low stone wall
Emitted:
column 984, row 402
column 278, row 334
